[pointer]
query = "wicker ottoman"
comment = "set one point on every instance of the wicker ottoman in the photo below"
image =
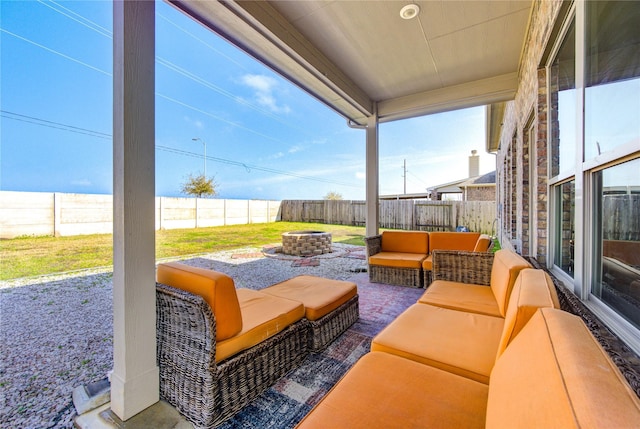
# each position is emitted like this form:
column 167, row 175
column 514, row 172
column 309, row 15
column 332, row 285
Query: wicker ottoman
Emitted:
column 331, row 306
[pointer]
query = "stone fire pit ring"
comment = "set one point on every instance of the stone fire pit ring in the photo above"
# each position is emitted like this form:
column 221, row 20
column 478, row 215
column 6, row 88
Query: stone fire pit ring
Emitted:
column 306, row 243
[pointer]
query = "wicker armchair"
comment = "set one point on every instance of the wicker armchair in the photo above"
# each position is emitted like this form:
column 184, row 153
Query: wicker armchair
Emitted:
column 390, row 275
column 205, row 391
column 463, row 267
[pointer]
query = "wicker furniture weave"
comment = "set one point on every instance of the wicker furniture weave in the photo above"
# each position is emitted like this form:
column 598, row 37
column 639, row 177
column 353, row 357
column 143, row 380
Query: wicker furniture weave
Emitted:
column 328, row 328
column 463, row 267
column 427, row 275
column 411, row 277
column 206, row 392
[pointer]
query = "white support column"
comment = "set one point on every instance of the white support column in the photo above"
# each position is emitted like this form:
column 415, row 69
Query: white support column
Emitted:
column 135, row 378
column 373, row 214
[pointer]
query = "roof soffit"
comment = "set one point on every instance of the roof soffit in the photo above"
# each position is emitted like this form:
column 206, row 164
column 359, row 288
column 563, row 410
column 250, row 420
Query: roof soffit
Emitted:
column 352, row 55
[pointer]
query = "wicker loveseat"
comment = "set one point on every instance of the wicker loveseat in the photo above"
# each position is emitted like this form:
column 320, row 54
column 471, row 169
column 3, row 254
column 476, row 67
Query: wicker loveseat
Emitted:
column 220, row 347
column 404, row 257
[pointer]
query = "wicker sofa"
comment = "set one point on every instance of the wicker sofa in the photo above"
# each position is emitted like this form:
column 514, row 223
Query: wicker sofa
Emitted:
column 461, row 342
column 220, row 347
column 436, row 367
column 554, row 374
column 405, row 257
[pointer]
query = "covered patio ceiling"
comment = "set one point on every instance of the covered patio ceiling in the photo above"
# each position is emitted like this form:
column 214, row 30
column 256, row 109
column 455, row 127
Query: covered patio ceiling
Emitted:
column 361, row 58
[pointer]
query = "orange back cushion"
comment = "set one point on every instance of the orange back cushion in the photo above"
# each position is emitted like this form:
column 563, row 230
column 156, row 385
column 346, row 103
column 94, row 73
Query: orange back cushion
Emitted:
column 217, row 289
column 555, row 375
column 533, row 289
column 405, row 241
column 453, row 240
column 505, row 270
column 482, row 245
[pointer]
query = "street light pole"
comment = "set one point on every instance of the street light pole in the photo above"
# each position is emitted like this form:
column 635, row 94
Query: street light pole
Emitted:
column 205, row 153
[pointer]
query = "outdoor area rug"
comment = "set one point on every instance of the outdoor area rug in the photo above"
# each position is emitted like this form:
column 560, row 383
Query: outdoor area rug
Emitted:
column 305, row 262
column 286, row 403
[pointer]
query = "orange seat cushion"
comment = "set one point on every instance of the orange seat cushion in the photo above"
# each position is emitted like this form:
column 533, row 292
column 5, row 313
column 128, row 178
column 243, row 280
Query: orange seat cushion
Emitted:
column 320, row 296
column 554, row 374
column 463, row 342
column 427, row 263
column 455, row 341
column 405, row 241
column 217, row 289
column 263, row 316
column 397, row 259
column 461, row 296
column 386, row 391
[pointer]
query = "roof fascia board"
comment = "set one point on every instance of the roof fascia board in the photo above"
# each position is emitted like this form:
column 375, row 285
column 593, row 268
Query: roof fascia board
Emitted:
column 470, row 94
column 493, row 116
column 259, row 30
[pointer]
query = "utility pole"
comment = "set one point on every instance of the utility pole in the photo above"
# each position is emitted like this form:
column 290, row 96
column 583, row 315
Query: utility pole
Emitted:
column 404, row 176
column 195, row 139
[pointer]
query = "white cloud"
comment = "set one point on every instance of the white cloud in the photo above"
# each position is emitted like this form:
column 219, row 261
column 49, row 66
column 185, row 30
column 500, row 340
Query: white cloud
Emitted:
column 264, row 87
column 294, row 149
column 195, row 122
column 360, row 175
column 260, row 83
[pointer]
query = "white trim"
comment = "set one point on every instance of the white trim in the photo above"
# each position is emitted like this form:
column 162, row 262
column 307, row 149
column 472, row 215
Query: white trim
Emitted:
column 581, row 227
column 619, row 325
column 372, row 177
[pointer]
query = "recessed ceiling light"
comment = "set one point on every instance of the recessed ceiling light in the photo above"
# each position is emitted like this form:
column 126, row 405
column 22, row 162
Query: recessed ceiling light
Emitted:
column 409, row 11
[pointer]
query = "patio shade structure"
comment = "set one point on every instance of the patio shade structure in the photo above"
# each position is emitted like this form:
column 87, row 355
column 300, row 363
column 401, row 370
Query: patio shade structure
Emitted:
column 361, row 59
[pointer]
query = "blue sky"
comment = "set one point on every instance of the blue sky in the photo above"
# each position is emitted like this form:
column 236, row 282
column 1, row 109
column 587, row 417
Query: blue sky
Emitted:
column 265, row 138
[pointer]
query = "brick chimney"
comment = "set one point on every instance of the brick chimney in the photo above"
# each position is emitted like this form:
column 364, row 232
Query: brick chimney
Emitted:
column 474, row 164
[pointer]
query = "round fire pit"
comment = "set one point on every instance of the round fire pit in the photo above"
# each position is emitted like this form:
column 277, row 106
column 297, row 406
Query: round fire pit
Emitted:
column 306, row 243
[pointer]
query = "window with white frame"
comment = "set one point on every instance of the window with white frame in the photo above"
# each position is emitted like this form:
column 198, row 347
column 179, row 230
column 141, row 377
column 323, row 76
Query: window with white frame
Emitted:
column 611, row 142
column 562, row 105
column 616, row 253
column 565, row 230
column 612, row 77
column 594, row 150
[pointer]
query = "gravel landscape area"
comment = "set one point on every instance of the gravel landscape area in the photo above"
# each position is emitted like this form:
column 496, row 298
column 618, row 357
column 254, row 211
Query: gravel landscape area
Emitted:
column 57, row 330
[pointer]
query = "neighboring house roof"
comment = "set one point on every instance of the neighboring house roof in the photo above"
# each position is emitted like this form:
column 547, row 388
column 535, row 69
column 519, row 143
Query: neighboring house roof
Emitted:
column 487, row 180
column 415, row 196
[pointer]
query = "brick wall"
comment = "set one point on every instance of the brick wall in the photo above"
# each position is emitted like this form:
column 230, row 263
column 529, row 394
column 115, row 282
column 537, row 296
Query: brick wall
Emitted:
column 522, row 160
column 484, row 193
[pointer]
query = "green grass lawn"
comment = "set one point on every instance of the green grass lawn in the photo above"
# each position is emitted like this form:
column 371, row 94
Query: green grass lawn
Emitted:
column 31, row 256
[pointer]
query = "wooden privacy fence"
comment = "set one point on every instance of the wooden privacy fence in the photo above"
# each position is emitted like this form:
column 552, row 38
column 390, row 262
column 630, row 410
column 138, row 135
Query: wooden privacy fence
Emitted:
column 61, row 214
column 621, row 217
column 398, row 214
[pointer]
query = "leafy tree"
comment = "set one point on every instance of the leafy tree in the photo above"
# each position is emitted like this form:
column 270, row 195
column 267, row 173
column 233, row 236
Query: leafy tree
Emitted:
column 332, row 195
column 199, row 186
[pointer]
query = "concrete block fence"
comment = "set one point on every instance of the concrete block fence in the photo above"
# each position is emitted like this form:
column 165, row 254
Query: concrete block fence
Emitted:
column 64, row 214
